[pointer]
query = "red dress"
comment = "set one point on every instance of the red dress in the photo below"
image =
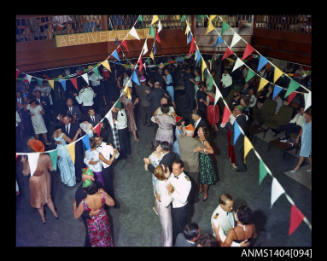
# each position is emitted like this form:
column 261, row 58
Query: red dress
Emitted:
column 212, row 112
column 231, row 153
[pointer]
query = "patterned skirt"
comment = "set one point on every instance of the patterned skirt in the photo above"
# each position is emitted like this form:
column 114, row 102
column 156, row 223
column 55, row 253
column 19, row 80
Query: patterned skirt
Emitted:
column 207, row 171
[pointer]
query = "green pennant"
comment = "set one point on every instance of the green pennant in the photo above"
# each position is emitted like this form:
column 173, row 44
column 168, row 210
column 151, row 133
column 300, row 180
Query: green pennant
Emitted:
column 262, row 172
column 140, row 18
column 199, row 17
column 96, row 71
column 183, row 18
column 161, row 16
column 291, row 87
column 40, row 81
column 210, row 83
column 118, row 105
column 148, row 61
column 53, row 157
column 250, row 75
column 151, row 32
column 224, row 27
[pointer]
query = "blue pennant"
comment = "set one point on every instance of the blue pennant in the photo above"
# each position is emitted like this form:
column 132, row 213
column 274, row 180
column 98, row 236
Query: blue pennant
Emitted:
column 86, row 142
column 115, row 54
column 189, row 37
column 277, row 90
column 262, row 62
column 63, row 83
column 154, row 49
column 219, row 41
column 237, row 131
column 135, row 78
column 198, row 56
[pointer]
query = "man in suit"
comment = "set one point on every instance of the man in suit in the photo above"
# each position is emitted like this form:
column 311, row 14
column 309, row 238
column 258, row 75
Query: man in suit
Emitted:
column 197, row 122
column 189, row 87
column 45, row 105
column 73, row 110
column 154, row 96
column 189, row 236
column 93, row 117
column 70, row 130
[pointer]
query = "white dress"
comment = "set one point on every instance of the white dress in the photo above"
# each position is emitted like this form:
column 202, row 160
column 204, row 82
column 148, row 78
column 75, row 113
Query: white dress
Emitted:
column 37, row 119
column 155, row 162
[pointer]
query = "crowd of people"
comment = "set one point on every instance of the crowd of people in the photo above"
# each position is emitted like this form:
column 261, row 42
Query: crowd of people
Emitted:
column 180, row 108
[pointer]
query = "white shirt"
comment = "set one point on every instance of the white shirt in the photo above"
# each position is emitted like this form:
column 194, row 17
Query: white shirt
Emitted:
column 93, row 155
column 161, row 189
column 85, row 97
column 18, row 119
column 226, row 79
column 225, row 220
column 87, row 128
column 106, row 151
column 182, row 188
column 171, row 110
column 298, row 119
column 67, row 128
column 121, row 122
column 197, row 123
column 95, row 80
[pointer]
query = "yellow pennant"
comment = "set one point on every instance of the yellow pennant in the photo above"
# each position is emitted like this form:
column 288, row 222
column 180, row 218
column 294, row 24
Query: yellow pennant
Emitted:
column 71, row 150
column 278, row 73
column 262, row 84
column 128, row 92
column 247, row 146
column 51, row 82
column 151, row 55
column 204, row 66
column 187, row 27
column 210, row 27
column 105, row 63
column 211, row 17
column 155, row 19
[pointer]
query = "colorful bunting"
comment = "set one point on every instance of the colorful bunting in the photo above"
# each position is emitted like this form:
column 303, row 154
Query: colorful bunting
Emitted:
column 145, row 48
column 96, row 71
column 276, row 191
column 226, row 116
column 40, row 82
column 210, row 25
column 250, row 75
column 237, row 64
column 210, row 83
column 203, row 67
column 262, row 62
column 86, row 142
column 227, row 53
column 154, row 19
column 151, row 32
column 157, row 37
column 128, row 92
column 140, row 18
column 32, row 161
column 133, row 33
column 296, row 218
column 189, row 38
column 152, row 56
column 74, row 82
column 71, row 150
column 54, row 156
column 135, row 78
column 247, row 51
column 293, row 85
column 97, row 129
column 236, row 39
column 140, row 63
column 219, row 41
column 124, row 43
column 28, row 78
column 86, row 78
column 187, row 30
column 237, row 131
column 154, row 49
column 115, row 54
column 159, row 27
column 51, row 83
column 263, row 83
column 106, row 64
column 183, row 18
column 247, row 147
column 197, row 56
column 218, row 95
column 63, row 83
column 277, row 90
column 192, row 47
column 262, row 171
column 277, row 73
column 224, row 27
column 291, row 97
column 307, row 100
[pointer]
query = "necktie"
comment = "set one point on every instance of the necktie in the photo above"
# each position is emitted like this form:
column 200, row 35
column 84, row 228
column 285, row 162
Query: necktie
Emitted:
column 176, row 177
column 70, row 109
column 93, row 119
column 67, row 129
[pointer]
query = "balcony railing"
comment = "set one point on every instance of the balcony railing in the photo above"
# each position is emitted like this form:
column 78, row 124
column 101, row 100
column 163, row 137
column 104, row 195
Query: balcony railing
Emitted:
column 32, row 28
column 232, row 20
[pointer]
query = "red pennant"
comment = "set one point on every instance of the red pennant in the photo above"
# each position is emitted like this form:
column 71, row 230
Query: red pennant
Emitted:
column 296, row 218
column 291, row 97
column 17, row 73
column 97, row 129
column 74, row 82
column 118, row 49
column 247, row 51
column 157, row 38
column 141, row 64
column 192, row 46
column 227, row 53
column 226, row 115
column 124, row 43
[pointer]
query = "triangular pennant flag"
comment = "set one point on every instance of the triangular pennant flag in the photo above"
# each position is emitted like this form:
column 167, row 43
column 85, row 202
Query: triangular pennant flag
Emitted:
column 307, row 100
column 28, row 77
column 140, row 18
column 96, row 71
column 237, row 64
column 197, row 56
column 115, row 54
column 135, row 78
column 124, row 43
column 276, row 191
column 151, row 55
column 128, row 92
column 106, row 64
column 262, row 62
column 262, row 171
column 226, row 115
column 293, row 85
column 97, row 129
column 86, row 142
column 154, row 19
column 247, row 51
column 237, row 131
column 210, row 27
column 74, row 82
column 140, row 63
column 235, row 40
column 187, row 28
column 53, row 156
column 203, row 67
column 154, row 49
column 277, row 90
column 183, row 18
column 247, row 146
column 189, row 38
column 17, row 73
column 86, row 78
column 40, row 82
column 227, row 53
column 210, row 84
column 32, row 161
column 224, row 27
column 51, row 83
column 262, row 84
column 158, row 38
column 159, row 27
column 291, row 97
column 218, row 95
column 219, row 41
column 296, row 218
column 63, row 83
column 118, row 104
column 133, row 33
column 277, row 73
column 151, row 32
column 192, row 47
column 145, row 48
column 250, row 75
column 71, row 150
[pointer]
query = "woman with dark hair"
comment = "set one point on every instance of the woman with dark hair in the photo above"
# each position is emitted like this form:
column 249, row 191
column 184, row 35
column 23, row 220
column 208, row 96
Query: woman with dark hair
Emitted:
column 244, row 230
column 98, row 225
column 165, row 122
column 207, row 171
column 212, row 111
column 207, row 240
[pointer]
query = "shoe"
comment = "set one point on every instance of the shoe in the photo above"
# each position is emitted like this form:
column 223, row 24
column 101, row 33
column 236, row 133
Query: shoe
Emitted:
column 293, row 171
column 57, row 217
column 155, row 211
column 204, row 199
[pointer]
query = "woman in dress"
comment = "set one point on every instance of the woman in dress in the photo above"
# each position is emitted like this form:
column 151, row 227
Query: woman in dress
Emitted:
column 166, row 123
column 306, row 140
column 65, row 163
column 178, row 131
column 36, row 112
column 163, row 200
column 212, row 111
column 40, row 180
column 207, row 171
column 169, row 86
column 98, row 225
column 129, row 105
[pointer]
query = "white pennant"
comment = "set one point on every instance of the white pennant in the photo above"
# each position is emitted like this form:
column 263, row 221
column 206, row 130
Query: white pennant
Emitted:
column 236, row 38
column 237, row 64
column 145, row 47
column 218, row 95
column 134, row 33
column 276, row 191
column 159, row 26
column 28, row 77
column 86, row 78
column 307, row 100
column 32, row 161
column 109, row 118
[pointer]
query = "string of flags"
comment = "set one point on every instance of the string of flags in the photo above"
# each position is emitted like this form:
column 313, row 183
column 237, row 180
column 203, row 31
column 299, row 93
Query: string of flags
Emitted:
column 296, row 216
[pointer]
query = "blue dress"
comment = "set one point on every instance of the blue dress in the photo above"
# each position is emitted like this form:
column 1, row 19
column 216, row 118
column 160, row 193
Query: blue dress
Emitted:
column 65, row 163
column 176, row 144
column 170, row 88
column 306, row 139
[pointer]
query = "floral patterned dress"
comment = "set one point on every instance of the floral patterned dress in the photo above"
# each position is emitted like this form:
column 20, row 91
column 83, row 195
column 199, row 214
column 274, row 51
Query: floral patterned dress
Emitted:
column 207, row 171
column 98, row 227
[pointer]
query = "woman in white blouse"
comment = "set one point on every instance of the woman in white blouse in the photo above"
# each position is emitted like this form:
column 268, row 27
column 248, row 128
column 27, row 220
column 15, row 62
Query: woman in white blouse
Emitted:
column 163, row 200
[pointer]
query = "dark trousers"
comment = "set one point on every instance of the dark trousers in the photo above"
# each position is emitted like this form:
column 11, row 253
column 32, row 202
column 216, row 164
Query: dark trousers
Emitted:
column 124, row 141
column 145, row 114
column 79, row 164
column 239, row 157
column 289, row 128
column 107, row 175
column 19, row 140
column 194, row 177
column 179, row 218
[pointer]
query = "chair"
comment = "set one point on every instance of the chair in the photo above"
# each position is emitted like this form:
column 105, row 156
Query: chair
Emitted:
column 267, row 111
